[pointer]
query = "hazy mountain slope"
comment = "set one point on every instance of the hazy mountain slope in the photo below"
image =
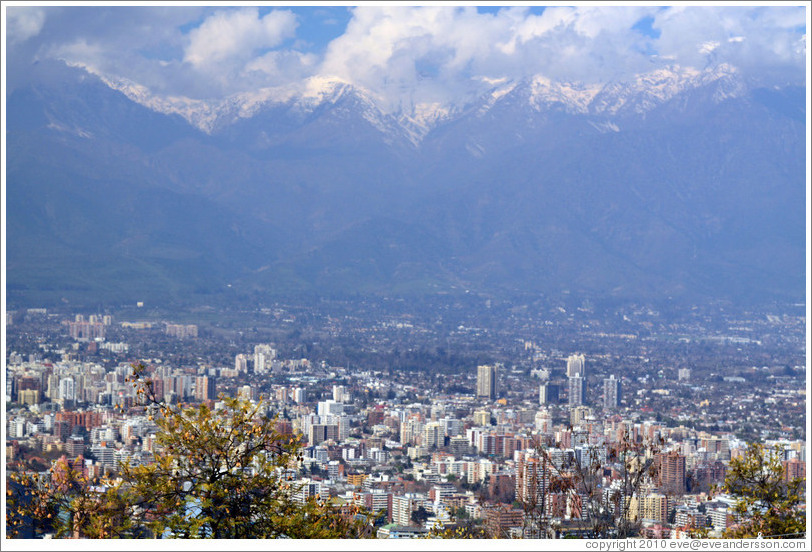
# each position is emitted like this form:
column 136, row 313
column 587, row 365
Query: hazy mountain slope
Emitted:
column 681, row 203
column 89, row 215
column 679, row 183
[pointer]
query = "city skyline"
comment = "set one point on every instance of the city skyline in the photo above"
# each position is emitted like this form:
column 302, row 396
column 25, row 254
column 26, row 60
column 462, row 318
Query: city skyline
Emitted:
column 403, row 439
column 534, row 271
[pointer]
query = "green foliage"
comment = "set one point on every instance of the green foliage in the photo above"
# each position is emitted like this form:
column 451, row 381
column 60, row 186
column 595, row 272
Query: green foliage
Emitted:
column 699, row 533
column 767, row 503
column 467, row 530
column 420, row 515
column 221, row 473
column 63, row 502
column 217, row 474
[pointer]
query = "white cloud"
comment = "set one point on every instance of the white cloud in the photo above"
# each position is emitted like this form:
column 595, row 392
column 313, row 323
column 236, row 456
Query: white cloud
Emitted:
column 404, row 54
column 762, row 42
column 82, row 54
column 23, row 23
column 414, row 54
column 428, row 54
column 229, row 35
column 708, row 47
column 440, row 53
column 282, row 65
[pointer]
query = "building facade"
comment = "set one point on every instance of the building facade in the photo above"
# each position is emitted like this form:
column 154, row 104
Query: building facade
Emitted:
column 486, row 381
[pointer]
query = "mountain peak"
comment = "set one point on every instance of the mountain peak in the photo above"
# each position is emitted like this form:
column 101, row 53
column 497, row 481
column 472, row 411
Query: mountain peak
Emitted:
column 634, row 96
column 325, row 88
column 648, row 90
column 315, row 187
column 575, row 97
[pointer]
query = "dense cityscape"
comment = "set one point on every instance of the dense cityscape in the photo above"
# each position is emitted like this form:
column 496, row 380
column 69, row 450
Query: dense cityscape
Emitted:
column 434, row 415
column 376, row 271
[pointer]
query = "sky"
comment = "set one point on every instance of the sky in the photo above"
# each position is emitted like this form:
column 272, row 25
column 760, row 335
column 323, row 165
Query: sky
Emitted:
column 402, row 53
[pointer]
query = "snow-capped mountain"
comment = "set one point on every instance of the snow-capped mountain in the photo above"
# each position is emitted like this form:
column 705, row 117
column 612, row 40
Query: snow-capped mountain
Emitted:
column 650, row 90
column 677, row 183
column 638, row 96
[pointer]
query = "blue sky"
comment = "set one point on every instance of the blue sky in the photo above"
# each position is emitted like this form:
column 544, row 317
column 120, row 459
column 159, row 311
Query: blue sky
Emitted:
column 429, row 54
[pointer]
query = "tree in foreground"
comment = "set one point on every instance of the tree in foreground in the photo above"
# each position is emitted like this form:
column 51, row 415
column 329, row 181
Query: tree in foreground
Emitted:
column 768, row 503
column 63, row 502
column 604, row 505
column 218, row 473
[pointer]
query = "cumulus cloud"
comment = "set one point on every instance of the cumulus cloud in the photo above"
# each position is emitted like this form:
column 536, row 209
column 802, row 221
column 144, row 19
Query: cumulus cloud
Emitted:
column 440, row 53
column 406, row 55
column 292, row 64
column 230, row 35
column 762, row 42
column 413, row 53
column 23, row 23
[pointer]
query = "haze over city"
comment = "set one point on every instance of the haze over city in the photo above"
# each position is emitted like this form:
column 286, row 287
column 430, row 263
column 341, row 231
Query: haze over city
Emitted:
column 531, row 271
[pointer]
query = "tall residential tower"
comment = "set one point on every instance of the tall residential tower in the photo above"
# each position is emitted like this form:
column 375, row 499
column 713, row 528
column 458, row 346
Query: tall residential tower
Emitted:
column 486, row 381
column 611, row 392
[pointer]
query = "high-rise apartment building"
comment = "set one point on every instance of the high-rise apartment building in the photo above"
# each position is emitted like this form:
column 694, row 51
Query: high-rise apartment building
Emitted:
column 548, row 393
column 533, row 475
column 649, row 506
column 577, row 391
column 376, row 501
column 793, row 469
column 579, row 415
column 330, row 408
column 482, row 418
column 611, row 393
column 181, row 331
column 543, row 421
column 576, row 366
column 205, row 388
column 459, row 446
column 341, row 394
column 410, row 429
column 452, row 426
column 67, row 389
column 263, row 357
column 433, row 435
column 671, row 471
column 318, row 433
column 486, row 381
column 404, row 505
column 85, row 330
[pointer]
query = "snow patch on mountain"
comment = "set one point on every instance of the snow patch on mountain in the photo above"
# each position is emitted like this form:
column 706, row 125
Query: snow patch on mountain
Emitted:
column 647, row 91
column 496, row 95
column 477, row 150
column 604, row 126
column 638, row 95
column 58, row 126
column 198, row 113
column 422, row 118
column 318, row 90
column 575, row 97
column 727, row 80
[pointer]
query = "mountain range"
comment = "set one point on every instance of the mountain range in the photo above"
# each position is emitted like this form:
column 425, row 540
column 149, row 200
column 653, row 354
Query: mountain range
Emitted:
column 678, row 183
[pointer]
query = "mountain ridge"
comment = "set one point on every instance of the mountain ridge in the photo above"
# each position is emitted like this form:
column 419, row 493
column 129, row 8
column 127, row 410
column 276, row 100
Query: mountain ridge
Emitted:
column 695, row 190
column 655, row 88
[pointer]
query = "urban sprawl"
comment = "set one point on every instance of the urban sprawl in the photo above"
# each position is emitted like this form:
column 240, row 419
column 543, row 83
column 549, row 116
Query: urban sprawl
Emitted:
column 428, row 418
